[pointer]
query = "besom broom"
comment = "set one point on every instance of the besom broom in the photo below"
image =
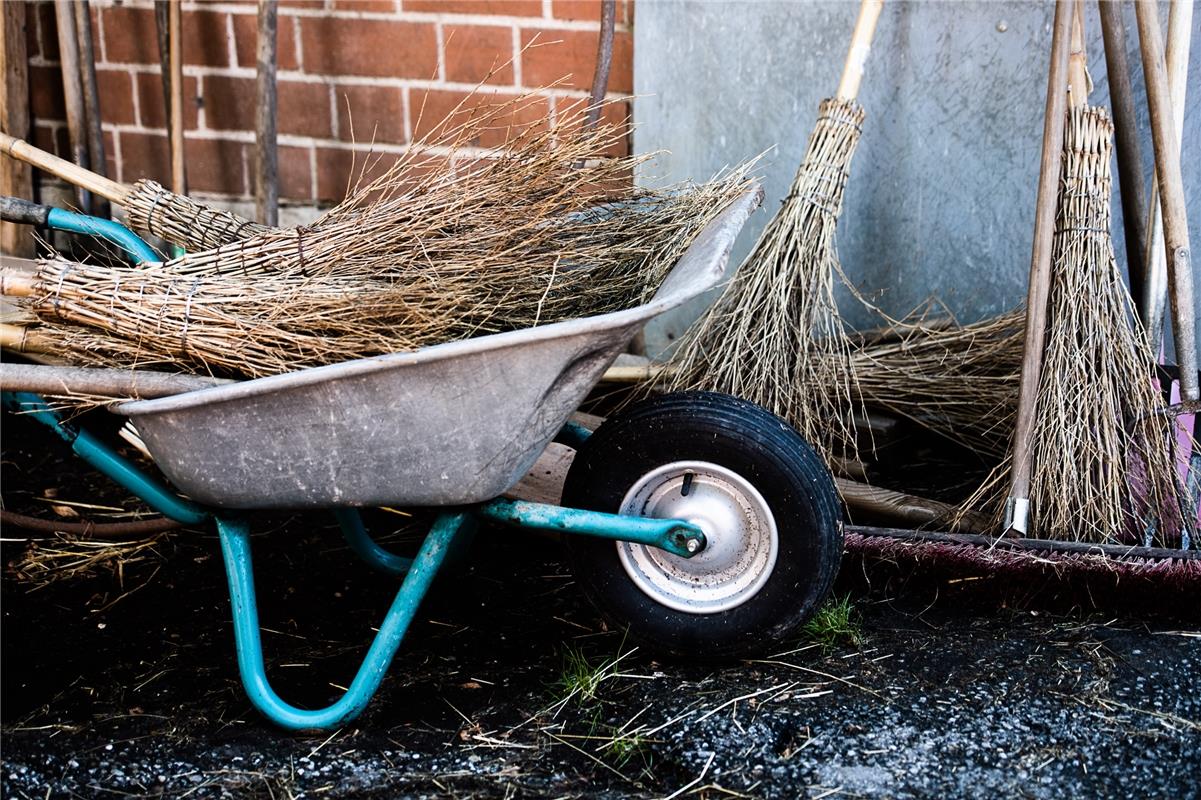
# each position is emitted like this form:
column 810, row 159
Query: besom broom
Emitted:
column 774, row 336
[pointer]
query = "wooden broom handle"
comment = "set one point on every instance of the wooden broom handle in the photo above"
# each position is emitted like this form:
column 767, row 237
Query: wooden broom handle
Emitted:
column 1040, row 267
column 72, row 173
column 1078, row 79
column 1171, row 196
column 861, row 44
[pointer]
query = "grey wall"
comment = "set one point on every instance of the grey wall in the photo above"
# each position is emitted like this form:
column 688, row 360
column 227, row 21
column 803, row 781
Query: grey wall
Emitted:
column 942, row 189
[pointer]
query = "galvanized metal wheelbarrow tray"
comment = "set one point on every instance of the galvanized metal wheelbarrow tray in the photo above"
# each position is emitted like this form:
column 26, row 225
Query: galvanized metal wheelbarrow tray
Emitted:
column 453, row 425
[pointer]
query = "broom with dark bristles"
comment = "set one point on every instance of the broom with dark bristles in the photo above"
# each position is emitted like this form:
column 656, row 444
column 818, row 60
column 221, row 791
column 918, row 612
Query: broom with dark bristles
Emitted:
column 774, row 336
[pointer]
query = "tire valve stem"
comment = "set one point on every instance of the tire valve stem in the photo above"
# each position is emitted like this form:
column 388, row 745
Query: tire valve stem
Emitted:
column 687, row 487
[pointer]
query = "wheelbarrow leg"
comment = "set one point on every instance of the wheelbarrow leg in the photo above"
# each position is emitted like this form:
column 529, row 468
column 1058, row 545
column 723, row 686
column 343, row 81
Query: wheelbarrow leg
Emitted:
column 235, row 548
column 366, row 548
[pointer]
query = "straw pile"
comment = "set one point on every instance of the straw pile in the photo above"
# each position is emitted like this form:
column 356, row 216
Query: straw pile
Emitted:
column 960, row 381
column 775, row 336
column 432, row 251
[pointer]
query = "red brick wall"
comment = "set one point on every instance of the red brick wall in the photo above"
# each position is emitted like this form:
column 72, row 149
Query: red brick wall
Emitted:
column 353, row 78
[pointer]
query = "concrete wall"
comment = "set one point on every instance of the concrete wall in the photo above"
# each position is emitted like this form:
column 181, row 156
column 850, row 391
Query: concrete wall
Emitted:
column 942, row 190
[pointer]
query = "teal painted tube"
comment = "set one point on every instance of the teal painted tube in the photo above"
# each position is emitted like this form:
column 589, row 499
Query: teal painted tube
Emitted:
column 109, row 462
column 673, row 535
column 235, row 548
column 105, row 229
column 366, row 548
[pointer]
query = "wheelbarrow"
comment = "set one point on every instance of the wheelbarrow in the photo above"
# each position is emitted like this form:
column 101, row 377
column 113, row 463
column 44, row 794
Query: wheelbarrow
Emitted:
column 700, row 522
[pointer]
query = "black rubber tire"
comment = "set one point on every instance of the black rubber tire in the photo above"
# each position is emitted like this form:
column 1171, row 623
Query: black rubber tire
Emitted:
column 741, row 437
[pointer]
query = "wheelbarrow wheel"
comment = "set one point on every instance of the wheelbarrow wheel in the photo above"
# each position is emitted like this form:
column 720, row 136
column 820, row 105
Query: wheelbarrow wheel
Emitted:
column 762, row 496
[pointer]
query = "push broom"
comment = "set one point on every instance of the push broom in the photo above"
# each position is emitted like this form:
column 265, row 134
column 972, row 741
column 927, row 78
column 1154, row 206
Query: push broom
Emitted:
column 774, row 336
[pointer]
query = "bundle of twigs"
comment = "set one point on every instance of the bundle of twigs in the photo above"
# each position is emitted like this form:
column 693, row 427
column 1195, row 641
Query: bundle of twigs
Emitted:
column 959, row 381
column 1102, row 447
column 414, row 258
column 775, row 336
column 155, row 211
column 1103, row 457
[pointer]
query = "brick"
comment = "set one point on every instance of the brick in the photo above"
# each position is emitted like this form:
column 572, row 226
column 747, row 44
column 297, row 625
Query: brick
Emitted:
column 145, row 155
column 587, row 10
column 46, row 94
column 153, row 113
column 295, row 174
column 506, row 8
column 205, row 38
column 129, row 35
column 40, row 18
column 230, row 105
column 110, row 153
column 383, row 48
column 311, row 5
column 439, row 106
column 52, row 139
column 372, row 6
column 367, row 113
column 478, row 53
column 116, row 96
column 337, row 169
column 560, row 54
column 246, row 41
column 216, row 165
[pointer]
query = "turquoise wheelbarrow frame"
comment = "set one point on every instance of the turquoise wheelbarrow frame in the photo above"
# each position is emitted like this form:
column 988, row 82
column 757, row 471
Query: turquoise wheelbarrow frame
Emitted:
column 676, row 536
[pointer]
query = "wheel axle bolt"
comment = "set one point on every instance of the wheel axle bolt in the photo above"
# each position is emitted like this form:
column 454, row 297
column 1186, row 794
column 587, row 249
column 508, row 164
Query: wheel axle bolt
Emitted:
column 693, row 545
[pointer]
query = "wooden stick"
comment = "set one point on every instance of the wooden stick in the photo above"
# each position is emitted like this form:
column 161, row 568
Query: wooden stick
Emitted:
column 91, row 98
column 65, row 381
column 1155, row 265
column 179, row 180
column 1079, row 82
column 861, row 45
column 266, row 173
column 1171, row 188
column 1129, row 154
column 16, row 179
column 68, row 47
column 61, row 168
column 1017, row 506
column 162, row 34
column 604, row 62
column 16, row 283
column 907, row 507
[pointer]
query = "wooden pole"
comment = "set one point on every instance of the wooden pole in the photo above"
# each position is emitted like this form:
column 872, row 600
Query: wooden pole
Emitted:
column 1131, row 186
column 1171, row 190
column 179, row 180
column 74, row 174
column 266, row 173
column 861, row 45
column 1017, row 506
column 1175, row 61
column 68, row 48
column 16, row 178
column 91, row 98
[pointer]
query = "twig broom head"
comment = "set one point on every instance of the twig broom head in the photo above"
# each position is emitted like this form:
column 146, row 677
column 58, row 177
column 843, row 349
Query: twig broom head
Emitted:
column 775, row 336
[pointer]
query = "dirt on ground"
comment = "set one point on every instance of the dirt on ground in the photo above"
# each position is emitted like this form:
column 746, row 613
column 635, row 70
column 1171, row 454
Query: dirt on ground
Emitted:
column 941, row 684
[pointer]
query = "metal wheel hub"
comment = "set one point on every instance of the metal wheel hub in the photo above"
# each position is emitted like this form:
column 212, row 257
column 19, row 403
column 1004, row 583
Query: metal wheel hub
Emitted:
column 742, row 541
